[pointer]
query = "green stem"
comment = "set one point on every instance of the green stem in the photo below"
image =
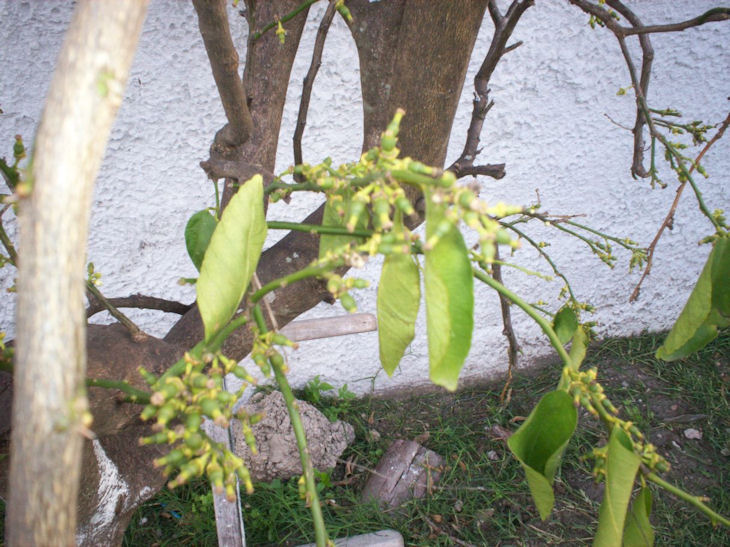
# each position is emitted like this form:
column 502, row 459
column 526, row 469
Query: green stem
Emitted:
column 296, row 187
column 695, row 188
column 602, row 234
column 197, row 351
column 689, row 498
column 135, row 395
column 292, row 406
column 217, row 201
column 291, row 15
column 311, row 271
column 409, row 177
column 317, row 229
column 529, row 310
column 9, row 247
column 543, row 254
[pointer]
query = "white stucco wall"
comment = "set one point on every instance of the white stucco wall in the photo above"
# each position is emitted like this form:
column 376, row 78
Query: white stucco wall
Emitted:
column 549, row 125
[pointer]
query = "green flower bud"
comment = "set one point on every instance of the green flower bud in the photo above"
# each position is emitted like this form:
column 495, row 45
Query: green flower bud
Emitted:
column 210, row 407
column 277, row 360
column 194, row 440
column 166, row 413
column 348, row 302
column 193, row 421
column 404, row 205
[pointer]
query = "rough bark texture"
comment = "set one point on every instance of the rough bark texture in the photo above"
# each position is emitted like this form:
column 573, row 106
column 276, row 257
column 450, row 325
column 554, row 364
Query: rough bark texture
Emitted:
column 49, row 400
column 412, row 56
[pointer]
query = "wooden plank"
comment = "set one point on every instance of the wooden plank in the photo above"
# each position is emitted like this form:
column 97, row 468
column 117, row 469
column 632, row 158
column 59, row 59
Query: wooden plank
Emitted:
column 228, row 516
column 327, row 327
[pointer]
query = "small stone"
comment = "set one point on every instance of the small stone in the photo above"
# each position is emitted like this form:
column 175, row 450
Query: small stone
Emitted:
column 492, row 455
column 693, row 434
column 458, row 506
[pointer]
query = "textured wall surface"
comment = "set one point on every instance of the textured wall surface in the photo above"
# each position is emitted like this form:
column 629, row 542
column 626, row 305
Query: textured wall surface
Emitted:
column 550, row 124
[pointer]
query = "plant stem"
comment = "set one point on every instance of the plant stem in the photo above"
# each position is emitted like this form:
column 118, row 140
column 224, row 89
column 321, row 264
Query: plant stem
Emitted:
column 529, row 310
column 197, row 351
column 9, row 247
column 317, row 229
column 217, row 201
column 292, row 406
column 311, row 271
column 296, row 187
column 135, row 395
column 135, row 331
column 689, row 498
column 284, row 18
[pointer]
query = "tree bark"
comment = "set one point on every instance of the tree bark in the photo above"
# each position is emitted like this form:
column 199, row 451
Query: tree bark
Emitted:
column 50, row 405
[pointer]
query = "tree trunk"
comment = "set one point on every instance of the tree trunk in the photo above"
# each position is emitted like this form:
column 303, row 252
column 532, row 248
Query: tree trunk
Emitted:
column 390, row 42
column 50, row 405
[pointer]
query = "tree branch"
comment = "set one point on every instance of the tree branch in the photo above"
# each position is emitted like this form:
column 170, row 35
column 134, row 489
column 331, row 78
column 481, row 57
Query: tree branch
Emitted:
column 98, row 299
column 647, row 57
column 213, row 24
column 669, row 219
column 324, row 26
column 140, row 301
column 503, row 27
column 710, row 16
column 508, row 331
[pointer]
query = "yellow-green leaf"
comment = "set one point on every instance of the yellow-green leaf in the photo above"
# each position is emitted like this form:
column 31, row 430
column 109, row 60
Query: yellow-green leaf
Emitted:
column 565, row 324
column 638, row 531
column 621, row 467
column 578, row 347
column 449, row 290
column 706, row 310
column 399, row 295
column 539, row 444
column 231, row 258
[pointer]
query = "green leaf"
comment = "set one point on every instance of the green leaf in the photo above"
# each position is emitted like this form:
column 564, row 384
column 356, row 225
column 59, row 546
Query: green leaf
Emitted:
column 449, row 290
column 539, row 444
column 621, row 467
column 638, row 531
column 706, row 310
column 399, row 295
column 331, row 217
column 198, row 231
column 565, row 324
column 721, row 278
column 232, row 255
column 578, row 347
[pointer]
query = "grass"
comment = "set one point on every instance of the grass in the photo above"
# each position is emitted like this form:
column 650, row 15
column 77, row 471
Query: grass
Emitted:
column 482, row 498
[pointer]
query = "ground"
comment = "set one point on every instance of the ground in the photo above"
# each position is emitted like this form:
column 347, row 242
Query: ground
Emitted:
column 482, row 498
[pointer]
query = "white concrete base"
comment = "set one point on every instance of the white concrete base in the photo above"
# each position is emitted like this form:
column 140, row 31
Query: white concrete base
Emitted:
column 383, row 538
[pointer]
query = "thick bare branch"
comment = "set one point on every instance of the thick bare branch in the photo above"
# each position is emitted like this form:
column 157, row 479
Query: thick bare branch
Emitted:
column 140, row 301
column 213, row 24
column 504, row 25
column 324, row 26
